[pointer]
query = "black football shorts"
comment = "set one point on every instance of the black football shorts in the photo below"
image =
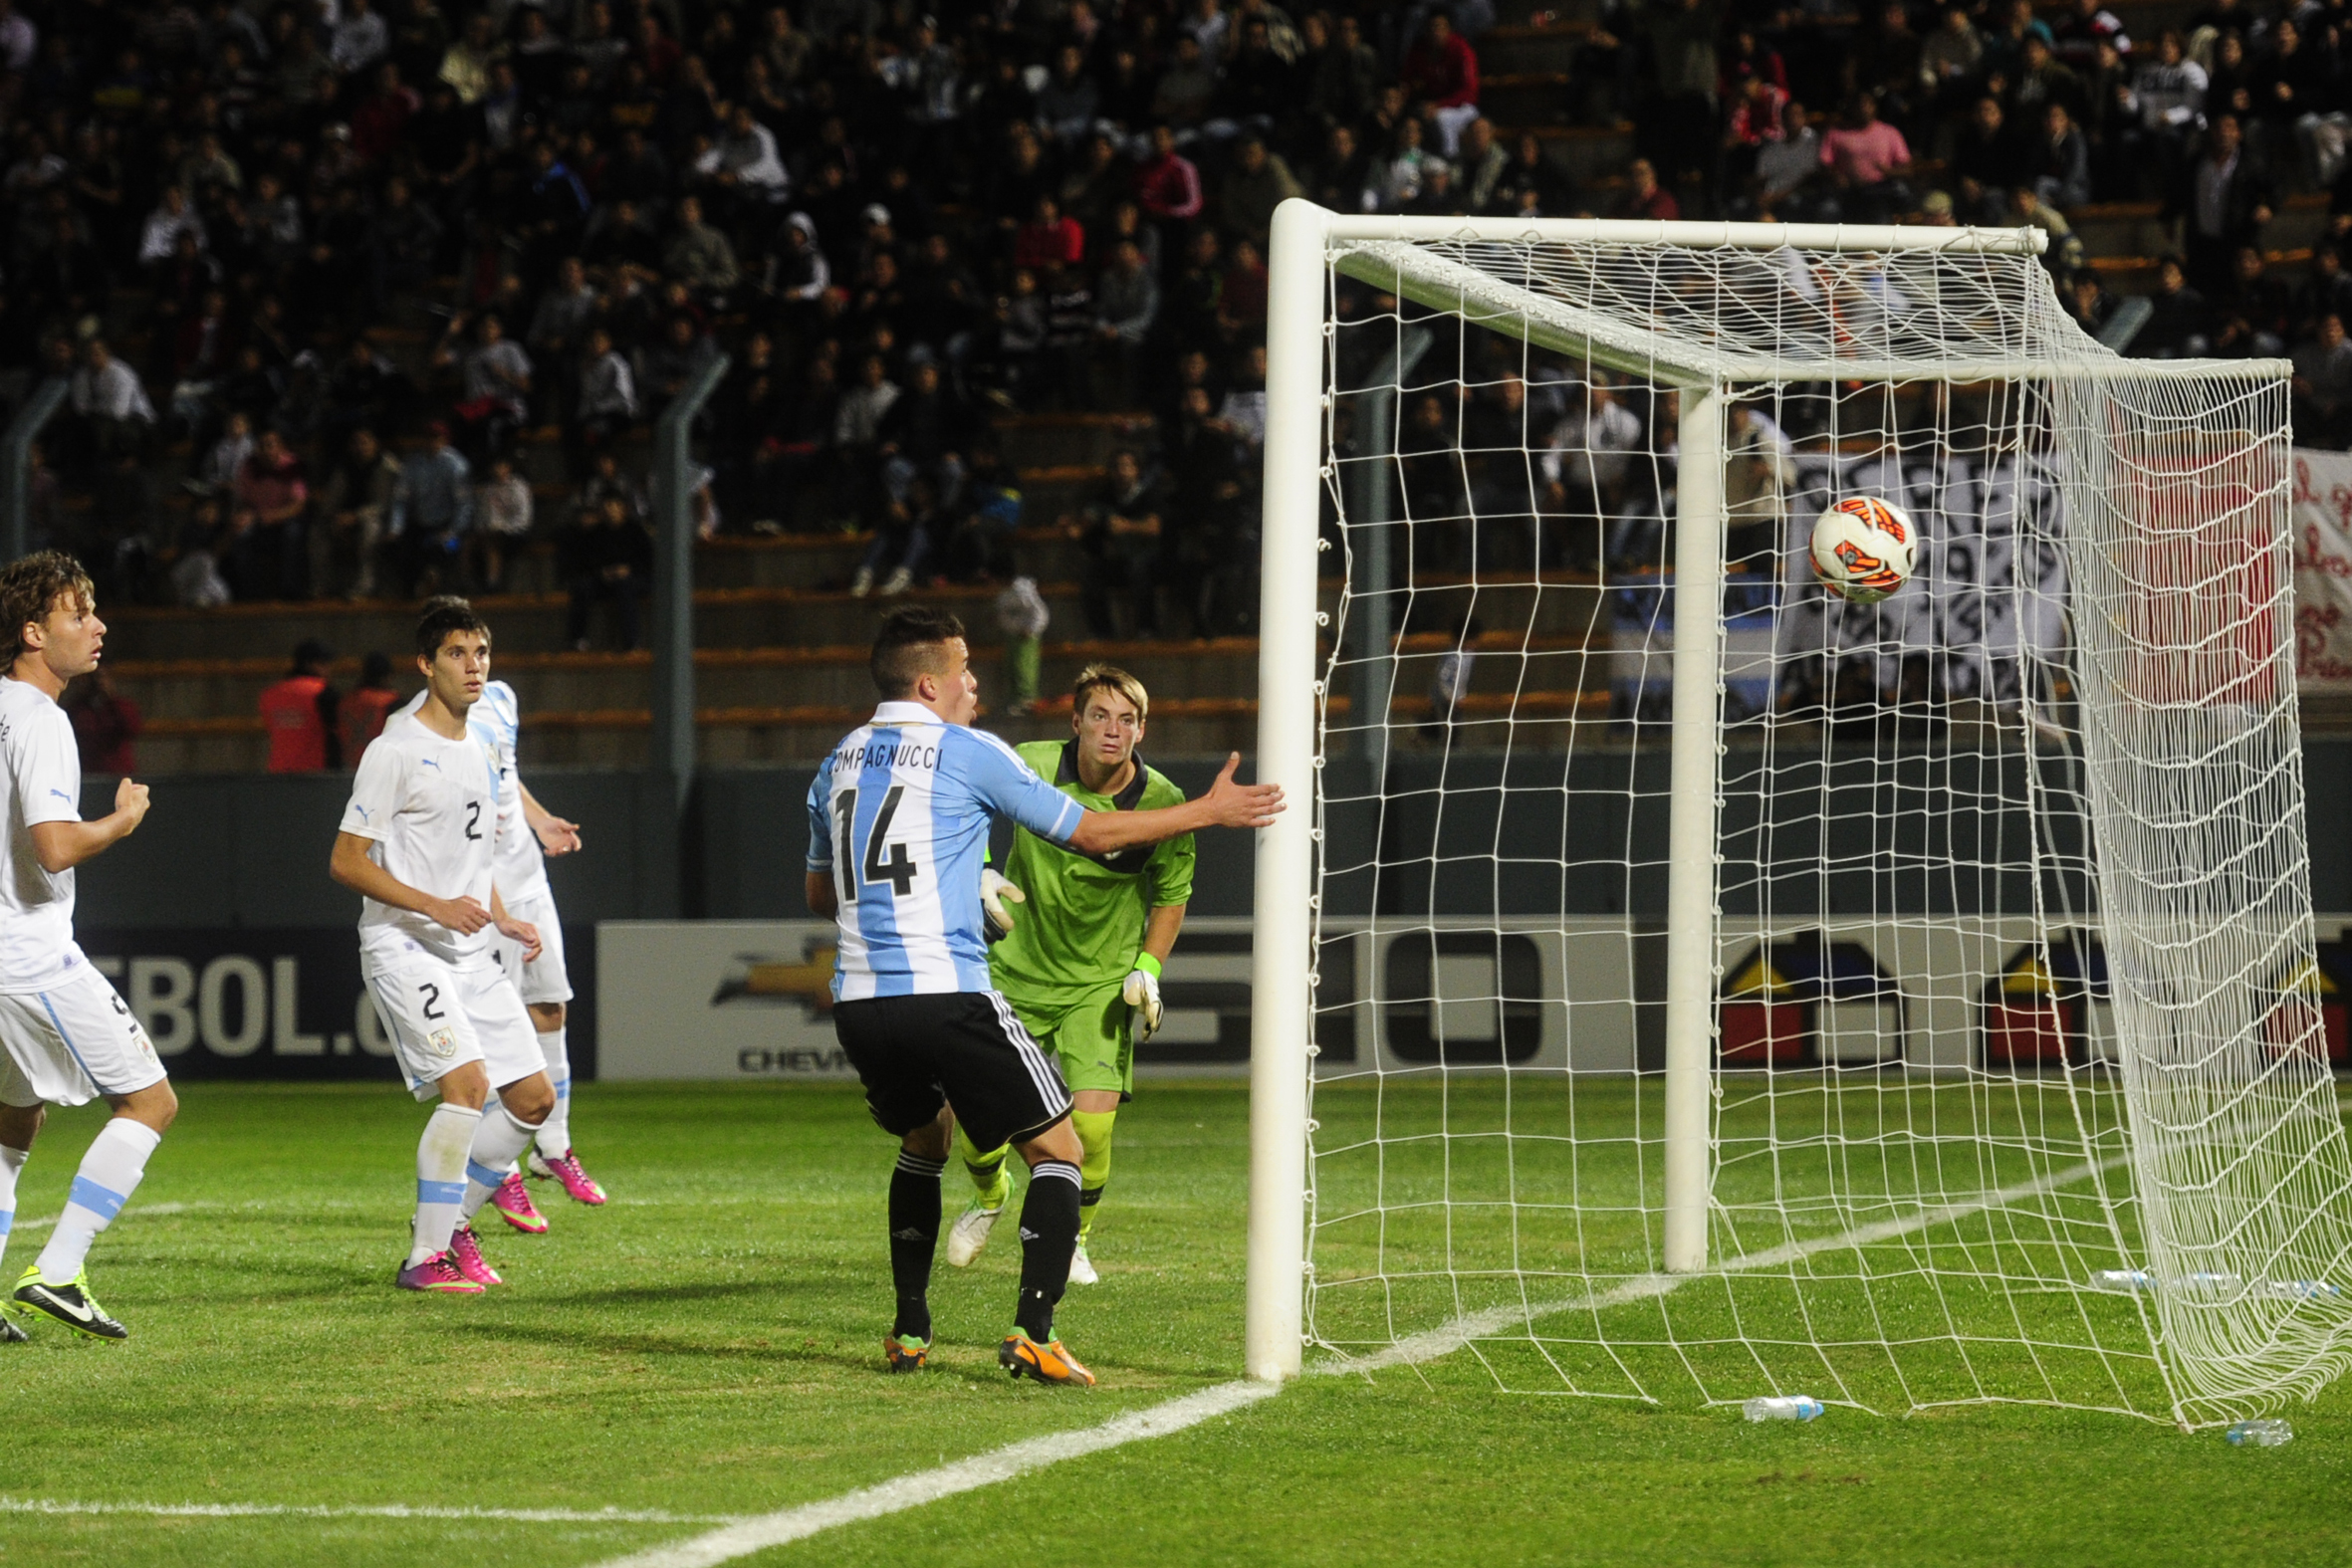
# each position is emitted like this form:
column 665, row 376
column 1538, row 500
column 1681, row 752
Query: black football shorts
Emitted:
column 963, row 1048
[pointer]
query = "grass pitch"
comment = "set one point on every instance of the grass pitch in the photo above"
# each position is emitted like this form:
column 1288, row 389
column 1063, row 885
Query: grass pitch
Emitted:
column 708, row 1345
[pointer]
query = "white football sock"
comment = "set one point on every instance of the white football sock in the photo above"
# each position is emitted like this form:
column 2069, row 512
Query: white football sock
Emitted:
column 496, row 1143
column 11, row 1161
column 440, row 1178
column 109, row 1174
column 555, row 1134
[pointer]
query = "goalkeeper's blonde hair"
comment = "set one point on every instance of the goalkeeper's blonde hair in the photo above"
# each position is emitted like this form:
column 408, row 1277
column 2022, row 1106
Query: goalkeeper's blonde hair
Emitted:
column 1111, row 678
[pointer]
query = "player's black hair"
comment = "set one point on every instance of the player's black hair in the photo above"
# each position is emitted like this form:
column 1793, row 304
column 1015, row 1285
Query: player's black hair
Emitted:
column 376, row 668
column 30, row 587
column 442, row 615
column 911, row 644
column 310, row 653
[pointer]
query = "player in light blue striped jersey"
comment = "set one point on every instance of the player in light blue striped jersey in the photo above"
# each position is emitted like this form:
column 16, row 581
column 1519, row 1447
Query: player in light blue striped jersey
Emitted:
column 898, row 823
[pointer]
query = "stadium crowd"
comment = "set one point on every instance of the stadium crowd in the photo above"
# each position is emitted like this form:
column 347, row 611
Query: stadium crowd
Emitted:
column 330, row 268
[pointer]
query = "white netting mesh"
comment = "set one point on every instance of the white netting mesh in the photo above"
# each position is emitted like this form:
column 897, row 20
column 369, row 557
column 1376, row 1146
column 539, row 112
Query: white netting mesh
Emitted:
column 2022, row 1086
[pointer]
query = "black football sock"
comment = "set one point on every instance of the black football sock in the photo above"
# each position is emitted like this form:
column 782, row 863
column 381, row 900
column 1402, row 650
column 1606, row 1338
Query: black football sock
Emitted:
column 1048, row 1234
column 915, row 1238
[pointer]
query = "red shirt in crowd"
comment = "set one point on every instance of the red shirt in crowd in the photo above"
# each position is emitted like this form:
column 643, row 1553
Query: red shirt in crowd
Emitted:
column 364, row 713
column 1444, row 76
column 105, row 724
column 1169, row 187
column 1061, row 242
column 296, row 711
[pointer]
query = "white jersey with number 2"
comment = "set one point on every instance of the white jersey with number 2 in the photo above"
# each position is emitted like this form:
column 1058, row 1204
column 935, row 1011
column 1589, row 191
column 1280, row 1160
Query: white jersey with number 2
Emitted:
column 430, row 805
column 518, row 862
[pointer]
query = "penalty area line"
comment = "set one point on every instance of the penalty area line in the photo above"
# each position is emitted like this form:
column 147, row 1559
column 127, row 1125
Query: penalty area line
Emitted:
column 747, row 1536
column 264, row 1510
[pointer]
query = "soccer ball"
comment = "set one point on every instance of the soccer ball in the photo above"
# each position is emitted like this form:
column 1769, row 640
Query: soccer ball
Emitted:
column 1864, row 548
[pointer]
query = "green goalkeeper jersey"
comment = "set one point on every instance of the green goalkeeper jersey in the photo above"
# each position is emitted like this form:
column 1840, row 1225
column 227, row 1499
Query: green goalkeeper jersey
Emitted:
column 1083, row 923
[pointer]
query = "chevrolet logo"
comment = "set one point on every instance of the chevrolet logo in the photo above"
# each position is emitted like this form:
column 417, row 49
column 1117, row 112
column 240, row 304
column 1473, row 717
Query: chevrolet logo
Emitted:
column 759, row 977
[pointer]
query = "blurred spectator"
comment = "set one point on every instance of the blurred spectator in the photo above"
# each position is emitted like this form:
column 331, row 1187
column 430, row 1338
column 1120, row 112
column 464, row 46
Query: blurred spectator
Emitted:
column 2059, row 160
column 1441, row 73
column 502, row 521
column 1049, row 238
column 1257, row 182
column 1644, row 197
column 1168, row 189
column 1023, row 616
column 1126, row 308
column 1676, row 127
column 2180, row 327
column 1868, row 160
column 1450, row 682
column 271, row 497
column 432, row 509
column 218, row 475
column 365, row 706
column 607, row 401
column 981, row 547
column 173, row 218
column 2166, row 100
column 2223, row 201
column 607, row 557
column 354, row 518
column 495, row 383
column 902, row 540
column 1788, row 166
column 1120, row 529
column 698, row 255
column 1983, row 163
column 299, row 714
column 113, row 406
column 1201, row 564
column 106, row 723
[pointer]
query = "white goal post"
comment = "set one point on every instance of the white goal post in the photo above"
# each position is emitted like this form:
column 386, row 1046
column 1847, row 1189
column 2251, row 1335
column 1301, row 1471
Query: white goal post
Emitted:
column 2160, row 718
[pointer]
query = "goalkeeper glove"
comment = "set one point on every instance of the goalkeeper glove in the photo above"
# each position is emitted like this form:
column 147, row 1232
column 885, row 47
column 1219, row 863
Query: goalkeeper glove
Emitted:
column 1142, row 993
column 994, row 891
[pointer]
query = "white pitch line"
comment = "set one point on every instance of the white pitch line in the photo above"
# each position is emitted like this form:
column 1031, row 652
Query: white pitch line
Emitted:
column 137, row 1211
column 1451, row 1336
column 927, row 1487
column 252, row 1510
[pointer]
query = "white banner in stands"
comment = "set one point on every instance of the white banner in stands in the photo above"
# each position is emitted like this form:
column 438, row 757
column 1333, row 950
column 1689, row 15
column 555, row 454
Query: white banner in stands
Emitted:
column 2323, row 570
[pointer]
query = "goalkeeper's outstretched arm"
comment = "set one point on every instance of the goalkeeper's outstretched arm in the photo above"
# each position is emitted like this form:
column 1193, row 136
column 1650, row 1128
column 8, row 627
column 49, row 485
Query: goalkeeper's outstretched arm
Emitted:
column 1227, row 804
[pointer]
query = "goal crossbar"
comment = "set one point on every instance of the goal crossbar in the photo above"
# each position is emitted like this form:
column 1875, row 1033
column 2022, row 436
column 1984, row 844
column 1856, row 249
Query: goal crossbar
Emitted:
column 1430, row 261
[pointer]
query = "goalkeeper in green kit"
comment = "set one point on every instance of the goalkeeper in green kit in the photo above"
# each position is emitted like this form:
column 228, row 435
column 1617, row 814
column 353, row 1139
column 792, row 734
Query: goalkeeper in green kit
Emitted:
column 1079, row 958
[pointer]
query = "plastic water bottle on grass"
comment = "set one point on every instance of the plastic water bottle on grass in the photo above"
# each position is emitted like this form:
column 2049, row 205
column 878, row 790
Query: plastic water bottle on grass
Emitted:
column 2269, row 1432
column 2122, row 1280
column 1782, row 1407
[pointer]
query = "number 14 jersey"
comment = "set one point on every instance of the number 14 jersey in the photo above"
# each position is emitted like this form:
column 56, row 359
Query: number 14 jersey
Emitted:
column 431, row 807
column 900, row 815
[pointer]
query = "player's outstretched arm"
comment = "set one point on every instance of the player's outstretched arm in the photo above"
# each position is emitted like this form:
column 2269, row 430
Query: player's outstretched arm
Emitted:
column 556, row 835
column 1227, row 804
column 61, row 847
column 352, row 867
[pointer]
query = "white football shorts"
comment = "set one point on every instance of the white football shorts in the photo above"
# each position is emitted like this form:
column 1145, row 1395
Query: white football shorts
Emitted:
column 73, row 1042
column 545, row 980
column 439, row 1018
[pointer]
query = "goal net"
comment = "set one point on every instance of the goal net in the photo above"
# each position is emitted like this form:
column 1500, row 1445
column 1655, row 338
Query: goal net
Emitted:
column 1715, row 989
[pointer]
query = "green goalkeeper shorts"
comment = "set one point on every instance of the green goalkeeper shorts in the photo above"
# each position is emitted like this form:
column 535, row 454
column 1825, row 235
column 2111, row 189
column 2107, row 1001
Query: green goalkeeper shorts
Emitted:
column 1093, row 1038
